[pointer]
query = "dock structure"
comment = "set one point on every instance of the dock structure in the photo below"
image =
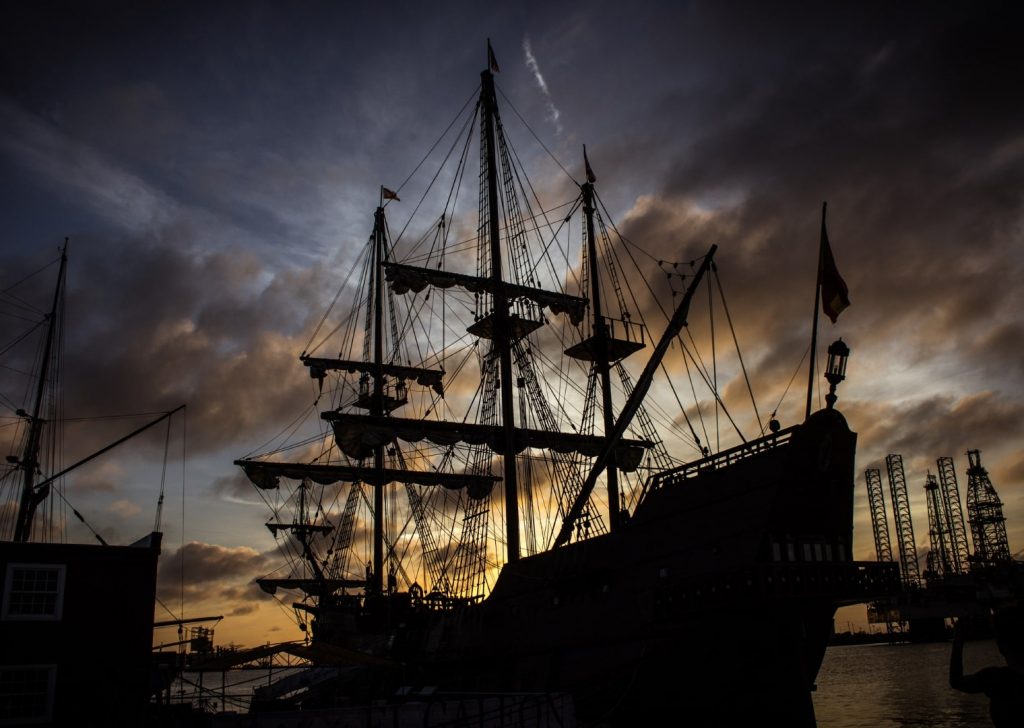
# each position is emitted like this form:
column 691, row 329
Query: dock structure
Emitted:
column 957, row 581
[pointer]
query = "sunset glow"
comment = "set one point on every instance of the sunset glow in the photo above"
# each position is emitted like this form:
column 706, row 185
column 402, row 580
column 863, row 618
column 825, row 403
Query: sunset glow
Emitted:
column 216, row 168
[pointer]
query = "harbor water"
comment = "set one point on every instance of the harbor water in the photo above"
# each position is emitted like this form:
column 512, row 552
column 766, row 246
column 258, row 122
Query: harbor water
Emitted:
column 892, row 686
column 859, row 686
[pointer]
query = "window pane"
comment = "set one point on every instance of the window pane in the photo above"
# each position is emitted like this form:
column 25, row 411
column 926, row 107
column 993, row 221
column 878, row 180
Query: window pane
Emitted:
column 24, row 693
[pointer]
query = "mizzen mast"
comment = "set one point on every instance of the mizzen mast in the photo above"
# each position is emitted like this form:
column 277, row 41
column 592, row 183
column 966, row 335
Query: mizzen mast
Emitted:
column 600, row 346
column 634, row 402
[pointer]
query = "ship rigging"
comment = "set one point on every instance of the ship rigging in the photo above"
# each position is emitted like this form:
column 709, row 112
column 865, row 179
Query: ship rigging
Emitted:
column 554, row 512
column 397, row 385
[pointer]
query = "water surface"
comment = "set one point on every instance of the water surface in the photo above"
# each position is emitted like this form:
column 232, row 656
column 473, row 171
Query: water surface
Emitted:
column 890, row 686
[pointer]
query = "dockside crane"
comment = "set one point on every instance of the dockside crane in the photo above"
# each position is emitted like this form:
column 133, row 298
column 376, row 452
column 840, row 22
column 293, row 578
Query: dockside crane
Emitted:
column 985, row 515
column 879, row 522
column 883, row 611
column 940, row 558
column 959, row 551
column 956, row 582
column 909, row 569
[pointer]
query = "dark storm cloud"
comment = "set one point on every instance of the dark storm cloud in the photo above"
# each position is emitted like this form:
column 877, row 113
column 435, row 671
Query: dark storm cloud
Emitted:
column 210, row 107
column 1014, row 471
column 999, row 349
column 938, row 426
column 151, row 328
column 201, row 568
column 101, row 483
column 900, row 119
column 236, row 485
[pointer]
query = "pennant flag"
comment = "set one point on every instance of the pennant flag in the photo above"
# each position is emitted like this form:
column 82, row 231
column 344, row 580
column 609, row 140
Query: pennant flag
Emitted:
column 389, row 194
column 492, row 62
column 835, row 297
column 586, row 163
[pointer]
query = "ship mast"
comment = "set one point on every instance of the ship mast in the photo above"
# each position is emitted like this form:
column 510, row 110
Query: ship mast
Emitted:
column 502, row 338
column 633, row 403
column 601, row 349
column 377, row 402
column 30, row 458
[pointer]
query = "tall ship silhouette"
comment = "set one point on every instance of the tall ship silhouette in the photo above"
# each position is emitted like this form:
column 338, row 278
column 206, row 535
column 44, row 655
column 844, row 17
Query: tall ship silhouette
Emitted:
column 500, row 498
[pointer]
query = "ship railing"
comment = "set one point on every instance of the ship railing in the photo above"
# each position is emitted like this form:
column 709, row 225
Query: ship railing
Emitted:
column 722, row 459
column 626, row 330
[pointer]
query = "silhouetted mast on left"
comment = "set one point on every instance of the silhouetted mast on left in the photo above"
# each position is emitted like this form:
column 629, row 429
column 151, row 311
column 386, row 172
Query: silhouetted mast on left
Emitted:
column 30, row 458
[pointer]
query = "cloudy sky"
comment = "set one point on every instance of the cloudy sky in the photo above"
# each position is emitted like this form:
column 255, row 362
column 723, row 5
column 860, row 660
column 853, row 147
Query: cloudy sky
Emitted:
column 213, row 165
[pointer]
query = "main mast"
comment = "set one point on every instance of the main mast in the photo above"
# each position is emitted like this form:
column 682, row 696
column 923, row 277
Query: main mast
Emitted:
column 377, row 402
column 502, row 331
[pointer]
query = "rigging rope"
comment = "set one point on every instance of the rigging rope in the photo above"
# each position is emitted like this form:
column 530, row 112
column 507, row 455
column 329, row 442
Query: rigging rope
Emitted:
column 19, row 302
column 746, row 377
column 796, row 371
column 330, row 308
column 714, row 361
column 14, row 342
column 430, row 185
column 426, row 156
column 530, row 129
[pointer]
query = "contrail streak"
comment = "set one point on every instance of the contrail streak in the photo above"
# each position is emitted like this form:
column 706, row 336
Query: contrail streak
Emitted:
column 531, row 62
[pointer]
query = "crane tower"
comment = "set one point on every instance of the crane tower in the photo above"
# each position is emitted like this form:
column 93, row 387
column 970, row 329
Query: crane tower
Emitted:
column 985, row 514
column 940, row 559
column 958, row 551
column 879, row 522
column 904, row 524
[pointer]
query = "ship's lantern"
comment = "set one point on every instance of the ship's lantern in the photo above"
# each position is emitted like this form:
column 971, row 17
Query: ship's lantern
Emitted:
column 838, row 353
column 835, row 370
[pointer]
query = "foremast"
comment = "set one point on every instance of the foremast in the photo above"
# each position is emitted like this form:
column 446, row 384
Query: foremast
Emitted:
column 265, row 474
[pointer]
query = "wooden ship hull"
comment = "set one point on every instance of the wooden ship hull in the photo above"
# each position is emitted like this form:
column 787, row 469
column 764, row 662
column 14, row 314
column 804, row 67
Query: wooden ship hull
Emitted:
column 722, row 587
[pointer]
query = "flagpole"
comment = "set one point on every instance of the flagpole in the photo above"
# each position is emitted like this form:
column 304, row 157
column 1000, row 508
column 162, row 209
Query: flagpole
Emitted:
column 814, row 326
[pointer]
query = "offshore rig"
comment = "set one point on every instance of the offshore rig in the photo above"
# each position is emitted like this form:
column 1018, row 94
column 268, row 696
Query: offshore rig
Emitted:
column 956, row 581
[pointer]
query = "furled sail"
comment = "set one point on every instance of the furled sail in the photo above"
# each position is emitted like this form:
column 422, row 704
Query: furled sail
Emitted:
column 433, row 378
column 304, row 528
column 404, row 278
column 357, row 435
column 318, row 587
column 266, row 475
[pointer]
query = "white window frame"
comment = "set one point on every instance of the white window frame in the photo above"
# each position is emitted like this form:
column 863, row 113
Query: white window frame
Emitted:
column 58, row 610
column 47, row 715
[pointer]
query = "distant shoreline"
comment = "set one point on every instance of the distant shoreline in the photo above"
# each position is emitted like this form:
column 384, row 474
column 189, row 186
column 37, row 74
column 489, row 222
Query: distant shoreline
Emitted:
column 865, row 638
